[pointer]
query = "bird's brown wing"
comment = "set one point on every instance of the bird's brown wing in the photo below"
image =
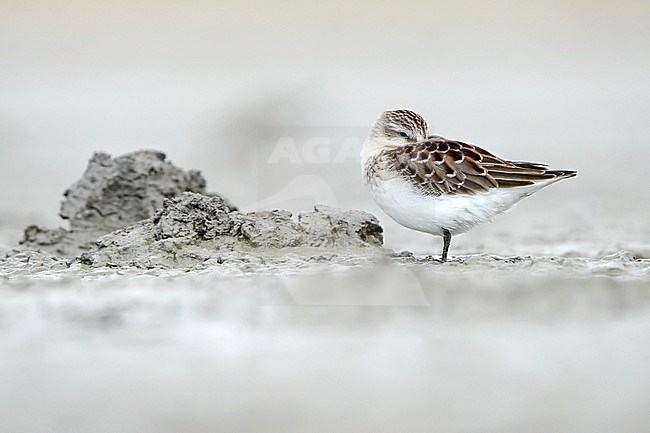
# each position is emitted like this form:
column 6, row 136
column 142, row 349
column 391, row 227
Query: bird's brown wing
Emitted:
column 440, row 166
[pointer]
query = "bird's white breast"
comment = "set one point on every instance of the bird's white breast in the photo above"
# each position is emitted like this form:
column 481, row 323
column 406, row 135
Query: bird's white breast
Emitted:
column 412, row 208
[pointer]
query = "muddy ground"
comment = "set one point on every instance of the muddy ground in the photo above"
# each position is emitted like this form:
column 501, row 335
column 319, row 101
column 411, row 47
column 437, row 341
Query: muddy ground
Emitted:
column 160, row 307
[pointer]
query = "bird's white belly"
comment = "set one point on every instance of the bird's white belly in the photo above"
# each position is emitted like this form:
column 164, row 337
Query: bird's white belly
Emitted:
column 431, row 214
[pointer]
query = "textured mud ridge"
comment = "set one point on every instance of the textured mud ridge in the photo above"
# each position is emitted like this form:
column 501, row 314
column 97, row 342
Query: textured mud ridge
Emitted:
column 112, row 193
column 140, row 211
column 193, row 229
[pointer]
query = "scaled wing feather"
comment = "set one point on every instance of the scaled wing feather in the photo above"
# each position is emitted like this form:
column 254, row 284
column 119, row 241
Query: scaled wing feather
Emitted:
column 440, row 166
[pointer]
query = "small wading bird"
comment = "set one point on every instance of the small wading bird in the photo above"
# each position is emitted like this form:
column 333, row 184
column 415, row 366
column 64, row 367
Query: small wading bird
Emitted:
column 440, row 186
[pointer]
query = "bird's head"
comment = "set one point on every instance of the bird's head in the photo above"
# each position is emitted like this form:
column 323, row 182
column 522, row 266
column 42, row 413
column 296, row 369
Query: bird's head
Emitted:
column 396, row 128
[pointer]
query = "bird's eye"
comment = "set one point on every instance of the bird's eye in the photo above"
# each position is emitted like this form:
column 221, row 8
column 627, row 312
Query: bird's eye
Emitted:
column 403, row 134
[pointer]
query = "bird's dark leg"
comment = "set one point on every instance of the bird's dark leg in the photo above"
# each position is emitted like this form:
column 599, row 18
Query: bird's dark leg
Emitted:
column 446, row 238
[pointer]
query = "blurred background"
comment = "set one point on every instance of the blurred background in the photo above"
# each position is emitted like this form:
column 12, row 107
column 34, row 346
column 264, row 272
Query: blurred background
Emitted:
column 216, row 84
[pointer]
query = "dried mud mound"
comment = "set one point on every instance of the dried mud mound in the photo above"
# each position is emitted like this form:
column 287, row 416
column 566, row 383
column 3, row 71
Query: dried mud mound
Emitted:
column 117, row 192
column 194, row 229
column 114, row 192
column 139, row 210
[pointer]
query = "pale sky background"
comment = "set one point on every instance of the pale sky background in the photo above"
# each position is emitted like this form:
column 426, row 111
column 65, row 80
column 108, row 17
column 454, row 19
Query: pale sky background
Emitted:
column 210, row 83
